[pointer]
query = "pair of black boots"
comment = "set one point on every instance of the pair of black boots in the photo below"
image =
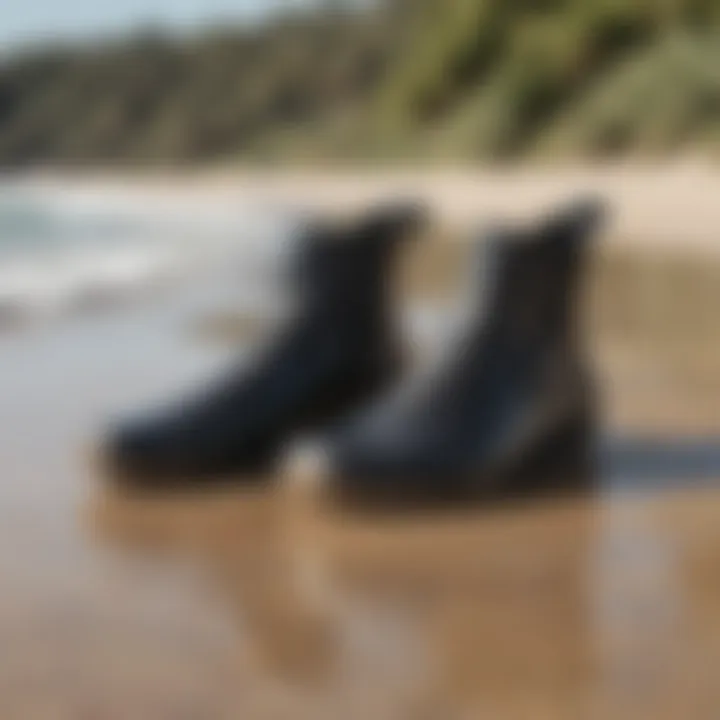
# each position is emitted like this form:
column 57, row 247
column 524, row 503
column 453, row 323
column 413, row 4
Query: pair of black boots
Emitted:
column 509, row 410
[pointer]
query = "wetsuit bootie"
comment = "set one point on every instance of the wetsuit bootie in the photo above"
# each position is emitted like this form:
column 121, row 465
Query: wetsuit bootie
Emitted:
column 512, row 403
column 337, row 351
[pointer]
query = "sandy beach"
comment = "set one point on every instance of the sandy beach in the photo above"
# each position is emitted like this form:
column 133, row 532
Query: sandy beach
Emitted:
column 259, row 606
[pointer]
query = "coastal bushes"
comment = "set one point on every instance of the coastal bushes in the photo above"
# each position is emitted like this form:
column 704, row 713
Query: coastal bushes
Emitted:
column 426, row 79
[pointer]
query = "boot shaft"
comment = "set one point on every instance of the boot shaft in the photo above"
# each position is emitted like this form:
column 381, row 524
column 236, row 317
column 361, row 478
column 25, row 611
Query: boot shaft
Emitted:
column 530, row 294
column 342, row 275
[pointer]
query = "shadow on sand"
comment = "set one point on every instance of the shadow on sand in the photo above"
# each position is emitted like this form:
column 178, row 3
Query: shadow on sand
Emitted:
column 659, row 463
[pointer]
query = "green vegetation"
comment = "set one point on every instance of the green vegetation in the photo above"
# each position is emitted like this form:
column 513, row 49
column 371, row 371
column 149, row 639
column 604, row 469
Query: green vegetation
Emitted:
column 426, row 79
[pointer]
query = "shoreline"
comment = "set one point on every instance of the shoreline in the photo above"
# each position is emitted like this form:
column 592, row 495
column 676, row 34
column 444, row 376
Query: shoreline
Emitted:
column 673, row 205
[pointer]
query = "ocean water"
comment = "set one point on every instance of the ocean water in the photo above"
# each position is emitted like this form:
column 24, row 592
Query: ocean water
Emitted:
column 63, row 251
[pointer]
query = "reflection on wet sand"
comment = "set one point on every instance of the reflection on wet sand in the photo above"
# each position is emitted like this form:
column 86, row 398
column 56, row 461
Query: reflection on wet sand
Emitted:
column 586, row 608
column 391, row 619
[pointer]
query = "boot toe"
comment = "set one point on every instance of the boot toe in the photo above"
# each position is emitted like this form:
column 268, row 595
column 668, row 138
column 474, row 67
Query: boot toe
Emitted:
column 176, row 456
column 136, row 456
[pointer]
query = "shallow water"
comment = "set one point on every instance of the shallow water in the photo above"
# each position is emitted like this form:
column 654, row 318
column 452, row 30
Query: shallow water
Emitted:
column 64, row 251
column 274, row 606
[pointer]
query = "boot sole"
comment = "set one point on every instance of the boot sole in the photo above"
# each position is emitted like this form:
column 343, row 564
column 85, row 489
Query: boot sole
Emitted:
column 565, row 464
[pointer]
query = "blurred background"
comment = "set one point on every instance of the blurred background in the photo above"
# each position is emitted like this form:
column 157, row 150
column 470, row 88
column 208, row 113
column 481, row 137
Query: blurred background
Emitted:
column 157, row 160
column 262, row 80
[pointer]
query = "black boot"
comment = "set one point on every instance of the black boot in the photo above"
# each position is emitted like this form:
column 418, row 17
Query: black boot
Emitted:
column 337, row 351
column 512, row 405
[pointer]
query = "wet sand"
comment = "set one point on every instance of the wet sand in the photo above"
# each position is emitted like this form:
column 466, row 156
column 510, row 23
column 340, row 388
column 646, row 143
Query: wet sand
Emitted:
column 272, row 606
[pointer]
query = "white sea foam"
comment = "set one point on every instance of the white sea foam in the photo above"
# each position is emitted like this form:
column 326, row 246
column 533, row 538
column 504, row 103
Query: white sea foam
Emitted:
column 60, row 251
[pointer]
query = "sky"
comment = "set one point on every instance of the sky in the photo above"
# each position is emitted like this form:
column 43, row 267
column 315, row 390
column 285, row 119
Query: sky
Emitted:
column 31, row 21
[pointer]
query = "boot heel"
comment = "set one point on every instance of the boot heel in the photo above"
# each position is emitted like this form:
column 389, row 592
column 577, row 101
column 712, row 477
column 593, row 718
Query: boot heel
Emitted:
column 566, row 461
